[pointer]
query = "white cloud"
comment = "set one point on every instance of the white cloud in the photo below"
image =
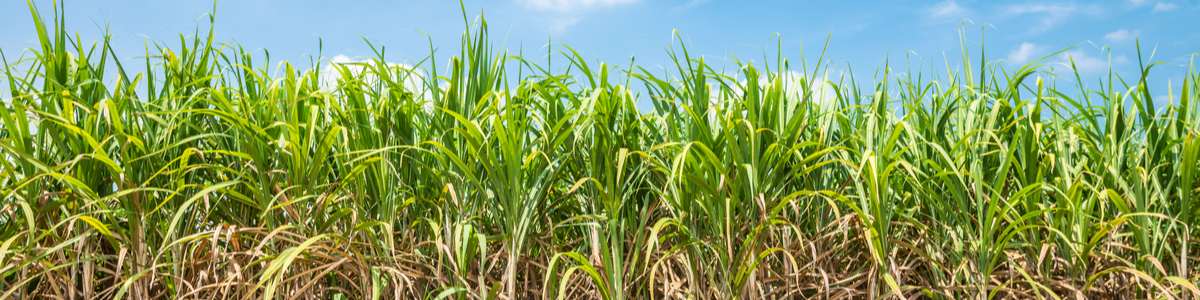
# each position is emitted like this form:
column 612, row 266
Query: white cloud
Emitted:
column 562, row 14
column 560, row 24
column 1138, row 2
column 413, row 78
column 947, row 9
column 1050, row 15
column 572, row 6
column 1083, row 62
column 1023, row 53
column 1165, row 7
column 820, row 91
column 1121, row 35
column 691, row 4
column 1120, row 60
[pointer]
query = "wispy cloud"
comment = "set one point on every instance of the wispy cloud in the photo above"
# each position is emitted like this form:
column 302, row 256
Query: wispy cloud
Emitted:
column 1082, row 61
column 1023, row 53
column 572, row 6
column 1159, row 6
column 1050, row 15
column 1165, row 7
column 414, row 78
column 1121, row 35
column 560, row 24
column 948, row 9
column 691, row 4
column 563, row 14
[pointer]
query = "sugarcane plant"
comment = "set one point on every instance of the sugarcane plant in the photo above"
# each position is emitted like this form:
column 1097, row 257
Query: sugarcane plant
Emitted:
column 206, row 170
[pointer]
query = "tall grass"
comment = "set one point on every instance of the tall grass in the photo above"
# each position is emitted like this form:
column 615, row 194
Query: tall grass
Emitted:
column 211, row 174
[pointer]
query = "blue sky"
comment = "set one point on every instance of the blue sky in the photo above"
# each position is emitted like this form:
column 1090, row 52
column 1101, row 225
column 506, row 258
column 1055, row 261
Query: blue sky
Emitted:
column 863, row 35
